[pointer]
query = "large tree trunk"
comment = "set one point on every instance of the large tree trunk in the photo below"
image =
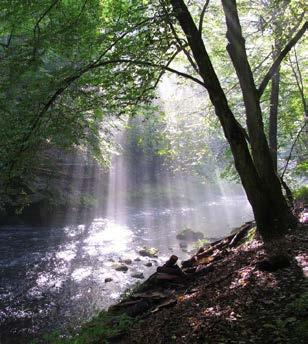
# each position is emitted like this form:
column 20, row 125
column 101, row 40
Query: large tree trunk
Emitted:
column 270, row 209
column 259, row 146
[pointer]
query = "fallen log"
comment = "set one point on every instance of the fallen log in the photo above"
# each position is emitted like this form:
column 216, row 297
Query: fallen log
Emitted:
column 240, row 234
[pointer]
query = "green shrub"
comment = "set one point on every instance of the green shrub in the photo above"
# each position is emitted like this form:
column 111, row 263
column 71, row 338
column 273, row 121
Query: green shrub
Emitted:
column 301, row 193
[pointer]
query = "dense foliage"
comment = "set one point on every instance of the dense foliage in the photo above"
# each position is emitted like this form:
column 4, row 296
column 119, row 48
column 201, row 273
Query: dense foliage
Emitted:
column 69, row 67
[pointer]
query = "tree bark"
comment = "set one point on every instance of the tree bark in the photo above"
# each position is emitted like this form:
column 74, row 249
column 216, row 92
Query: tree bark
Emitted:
column 271, row 212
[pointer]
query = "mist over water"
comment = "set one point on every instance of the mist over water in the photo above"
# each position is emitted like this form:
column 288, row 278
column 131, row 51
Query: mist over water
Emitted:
column 53, row 277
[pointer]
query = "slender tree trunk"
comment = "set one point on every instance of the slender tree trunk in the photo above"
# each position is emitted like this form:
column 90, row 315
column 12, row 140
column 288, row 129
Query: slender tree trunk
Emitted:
column 274, row 104
column 269, row 206
column 273, row 118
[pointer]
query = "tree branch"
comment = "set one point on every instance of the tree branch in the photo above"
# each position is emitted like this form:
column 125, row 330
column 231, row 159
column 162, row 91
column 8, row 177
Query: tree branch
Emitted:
column 167, row 65
column 36, row 29
column 177, row 38
column 291, row 150
column 280, row 57
column 202, row 15
column 37, row 25
column 150, row 64
column 68, row 81
column 299, row 81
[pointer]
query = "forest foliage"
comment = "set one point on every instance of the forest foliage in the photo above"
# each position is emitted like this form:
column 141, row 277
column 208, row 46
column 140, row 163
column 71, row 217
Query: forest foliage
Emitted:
column 71, row 68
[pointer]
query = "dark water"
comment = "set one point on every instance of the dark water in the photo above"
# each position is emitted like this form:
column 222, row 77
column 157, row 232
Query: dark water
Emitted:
column 54, row 278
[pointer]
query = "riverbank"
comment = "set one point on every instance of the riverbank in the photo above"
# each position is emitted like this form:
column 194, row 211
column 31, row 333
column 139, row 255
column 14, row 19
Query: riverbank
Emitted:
column 225, row 294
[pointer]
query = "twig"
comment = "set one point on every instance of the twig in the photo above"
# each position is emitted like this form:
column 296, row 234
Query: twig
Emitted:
column 202, row 15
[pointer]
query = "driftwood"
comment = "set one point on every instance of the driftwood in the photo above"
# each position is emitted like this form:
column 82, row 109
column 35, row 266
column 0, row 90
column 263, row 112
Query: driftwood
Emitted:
column 212, row 253
column 166, row 304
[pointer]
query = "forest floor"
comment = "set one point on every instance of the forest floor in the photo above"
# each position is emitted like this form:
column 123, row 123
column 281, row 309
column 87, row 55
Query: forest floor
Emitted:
column 235, row 301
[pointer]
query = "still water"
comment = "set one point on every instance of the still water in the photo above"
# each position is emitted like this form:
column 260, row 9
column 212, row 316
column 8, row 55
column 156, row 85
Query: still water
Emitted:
column 53, row 278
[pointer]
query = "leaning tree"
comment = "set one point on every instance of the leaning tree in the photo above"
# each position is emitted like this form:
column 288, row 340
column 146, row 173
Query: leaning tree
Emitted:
column 251, row 153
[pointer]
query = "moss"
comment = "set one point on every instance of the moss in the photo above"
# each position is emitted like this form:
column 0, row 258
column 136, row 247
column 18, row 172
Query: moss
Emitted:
column 251, row 234
column 200, row 243
column 151, row 252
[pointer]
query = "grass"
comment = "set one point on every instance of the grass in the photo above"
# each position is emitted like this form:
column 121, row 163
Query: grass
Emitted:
column 98, row 330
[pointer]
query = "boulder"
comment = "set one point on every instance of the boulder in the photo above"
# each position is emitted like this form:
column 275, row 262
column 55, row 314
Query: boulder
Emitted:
column 172, row 261
column 190, row 262
column 173, row 270
column 166, row 277
column 189, row 235
column 108, row 279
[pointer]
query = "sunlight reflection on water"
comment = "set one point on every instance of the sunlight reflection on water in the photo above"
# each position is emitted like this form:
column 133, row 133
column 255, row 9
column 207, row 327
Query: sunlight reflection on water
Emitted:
column 107, row 237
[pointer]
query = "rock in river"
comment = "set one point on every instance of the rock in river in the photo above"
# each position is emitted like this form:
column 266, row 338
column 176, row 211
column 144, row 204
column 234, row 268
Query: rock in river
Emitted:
column 148, row 252
column 188, row 234
column 120, row 267
column 138, row 275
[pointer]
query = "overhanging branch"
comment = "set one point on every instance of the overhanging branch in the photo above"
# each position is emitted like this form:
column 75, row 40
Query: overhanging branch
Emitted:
column 280, row 57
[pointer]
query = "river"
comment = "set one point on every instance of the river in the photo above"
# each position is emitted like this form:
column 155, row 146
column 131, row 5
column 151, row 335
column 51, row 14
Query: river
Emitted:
column 53, row 278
